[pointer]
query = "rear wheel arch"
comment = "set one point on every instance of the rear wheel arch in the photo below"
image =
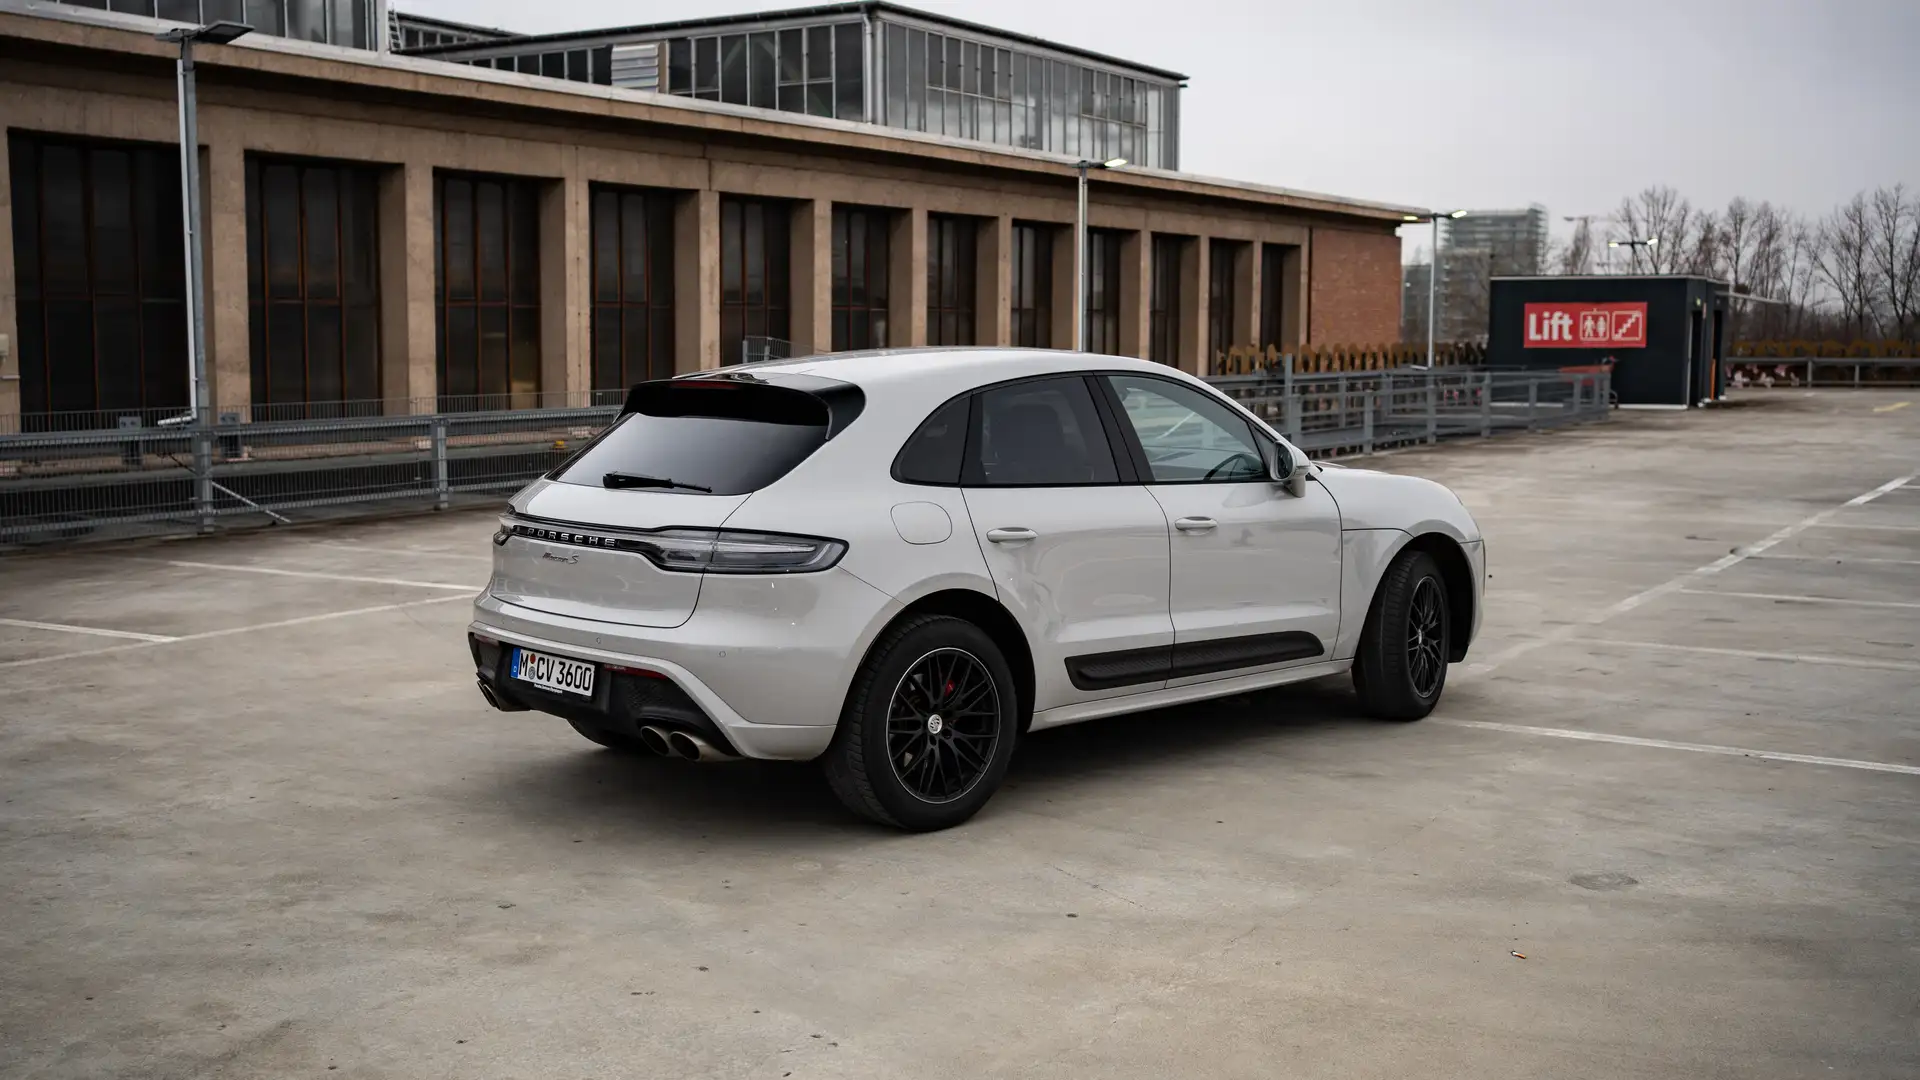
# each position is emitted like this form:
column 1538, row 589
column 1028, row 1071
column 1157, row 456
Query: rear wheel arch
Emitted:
column 993, row 619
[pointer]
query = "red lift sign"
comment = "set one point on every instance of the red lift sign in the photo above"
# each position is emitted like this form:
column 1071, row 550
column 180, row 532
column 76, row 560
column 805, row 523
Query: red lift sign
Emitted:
column 1587, row 326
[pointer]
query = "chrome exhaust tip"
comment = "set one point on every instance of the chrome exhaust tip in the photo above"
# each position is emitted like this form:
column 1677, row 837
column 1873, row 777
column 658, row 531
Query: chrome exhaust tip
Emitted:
column 695, row 748
column 656, row 741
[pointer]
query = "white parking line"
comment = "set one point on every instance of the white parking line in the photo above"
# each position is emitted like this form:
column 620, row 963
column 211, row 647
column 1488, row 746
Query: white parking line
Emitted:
column 1837, row 559
column 1739, row 555
column 1801, row 599
column 97, row 631
column 231, row 631
column 1757, row 654
column 1872, row 528
column 1667, row 744
column 313, row 574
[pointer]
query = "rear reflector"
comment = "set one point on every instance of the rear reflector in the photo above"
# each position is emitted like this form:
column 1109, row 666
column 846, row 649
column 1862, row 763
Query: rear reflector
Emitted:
column 642, row 672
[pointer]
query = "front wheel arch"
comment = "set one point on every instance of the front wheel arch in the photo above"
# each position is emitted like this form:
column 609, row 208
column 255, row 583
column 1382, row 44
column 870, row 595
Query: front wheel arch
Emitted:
column 1456, row 573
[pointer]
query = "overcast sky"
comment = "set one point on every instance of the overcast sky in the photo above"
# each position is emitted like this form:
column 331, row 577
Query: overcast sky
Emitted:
column 1477, row 103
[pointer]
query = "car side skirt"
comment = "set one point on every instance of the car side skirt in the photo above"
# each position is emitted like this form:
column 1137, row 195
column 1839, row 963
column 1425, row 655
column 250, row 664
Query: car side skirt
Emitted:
column 1185, row 660
column 1180, row 695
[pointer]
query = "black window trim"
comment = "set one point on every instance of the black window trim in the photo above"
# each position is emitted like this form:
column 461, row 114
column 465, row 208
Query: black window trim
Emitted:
column 1143, row 468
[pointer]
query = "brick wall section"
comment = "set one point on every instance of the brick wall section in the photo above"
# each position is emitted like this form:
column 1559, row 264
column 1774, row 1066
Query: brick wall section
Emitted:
column 1354, row 296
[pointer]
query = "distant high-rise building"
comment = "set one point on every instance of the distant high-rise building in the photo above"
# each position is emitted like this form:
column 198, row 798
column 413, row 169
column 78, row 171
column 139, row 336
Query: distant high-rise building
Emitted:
column 1474, row 249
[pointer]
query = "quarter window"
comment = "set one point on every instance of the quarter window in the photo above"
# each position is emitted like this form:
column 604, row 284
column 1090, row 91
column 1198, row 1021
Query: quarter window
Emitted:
column 1188, row 437
column 934, row 453
column 1041, row 433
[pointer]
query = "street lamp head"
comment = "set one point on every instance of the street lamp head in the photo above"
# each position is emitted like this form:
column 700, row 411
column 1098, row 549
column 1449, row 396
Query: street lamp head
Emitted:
column 219, row 33
column 1114, row 163
column 1411, row 217
column 1458, row 214
column 1653, row 241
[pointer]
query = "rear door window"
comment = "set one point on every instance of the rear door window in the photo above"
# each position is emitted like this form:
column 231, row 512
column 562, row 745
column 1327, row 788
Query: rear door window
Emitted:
column 730, row 437
column 1038, row 433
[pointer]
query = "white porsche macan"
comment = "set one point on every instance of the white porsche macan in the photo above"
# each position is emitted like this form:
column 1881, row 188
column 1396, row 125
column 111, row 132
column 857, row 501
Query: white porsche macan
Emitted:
column 899, row 562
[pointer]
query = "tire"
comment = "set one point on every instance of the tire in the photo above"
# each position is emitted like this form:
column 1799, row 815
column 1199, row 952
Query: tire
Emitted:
column 916, row 670
column 1401, row 668
column 612, row 740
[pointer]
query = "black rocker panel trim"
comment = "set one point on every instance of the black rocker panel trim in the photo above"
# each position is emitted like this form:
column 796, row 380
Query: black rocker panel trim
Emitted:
column 1255, row 650
column 1131, row 667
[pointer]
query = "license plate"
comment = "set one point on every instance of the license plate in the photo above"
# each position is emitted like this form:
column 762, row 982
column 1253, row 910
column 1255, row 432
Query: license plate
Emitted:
column 556, row 673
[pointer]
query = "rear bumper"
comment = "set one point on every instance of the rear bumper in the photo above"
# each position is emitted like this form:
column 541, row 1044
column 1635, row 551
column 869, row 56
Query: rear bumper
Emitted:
column 754, row 678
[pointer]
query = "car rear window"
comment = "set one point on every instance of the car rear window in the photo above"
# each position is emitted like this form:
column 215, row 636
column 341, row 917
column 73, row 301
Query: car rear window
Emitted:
column 731, row 435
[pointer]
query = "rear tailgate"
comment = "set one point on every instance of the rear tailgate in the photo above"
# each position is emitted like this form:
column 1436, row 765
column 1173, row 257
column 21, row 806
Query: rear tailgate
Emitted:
column 552, row 562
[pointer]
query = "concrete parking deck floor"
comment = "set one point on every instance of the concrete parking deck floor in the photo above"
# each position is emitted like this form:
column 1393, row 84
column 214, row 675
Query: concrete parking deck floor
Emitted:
column 258, row 823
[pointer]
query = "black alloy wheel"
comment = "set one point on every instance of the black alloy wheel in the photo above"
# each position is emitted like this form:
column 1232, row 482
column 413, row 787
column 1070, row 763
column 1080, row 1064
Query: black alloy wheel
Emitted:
column 1401, row 666
column 928, row 728
column 943, row 725
column 1426, row 638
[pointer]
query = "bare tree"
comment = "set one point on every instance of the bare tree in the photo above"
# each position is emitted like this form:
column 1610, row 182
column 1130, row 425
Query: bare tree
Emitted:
column 1894, row 252
column 1662, row 215
column 1845, row 262
column 1576, row 257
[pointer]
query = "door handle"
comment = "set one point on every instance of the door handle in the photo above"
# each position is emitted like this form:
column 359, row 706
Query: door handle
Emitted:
column 1011, row 536
column 1196, row 524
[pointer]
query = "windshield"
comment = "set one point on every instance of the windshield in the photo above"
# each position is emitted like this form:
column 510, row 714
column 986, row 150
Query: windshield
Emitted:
column 725, row 436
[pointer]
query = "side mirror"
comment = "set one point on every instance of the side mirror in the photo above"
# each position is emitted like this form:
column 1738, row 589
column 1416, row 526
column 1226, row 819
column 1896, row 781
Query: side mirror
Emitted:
column 1283, row 468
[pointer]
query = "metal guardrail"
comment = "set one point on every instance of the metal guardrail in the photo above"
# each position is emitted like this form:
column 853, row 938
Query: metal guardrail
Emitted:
column 1366, row 411
column 154, row 475
column 1892, row 372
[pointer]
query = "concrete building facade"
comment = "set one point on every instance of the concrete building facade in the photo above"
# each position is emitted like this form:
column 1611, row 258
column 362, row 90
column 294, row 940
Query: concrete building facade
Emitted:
column 415, row 234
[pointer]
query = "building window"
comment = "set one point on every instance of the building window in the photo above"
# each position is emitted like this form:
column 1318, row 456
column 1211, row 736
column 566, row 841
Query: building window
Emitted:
column 1273, row 296
column 1103, row 292
column 1033, row 286
column 951, row 279
column 313, row 289
column 755, row 286
column 952, row 86
column 1220, row 311
column 99, row 276
column 860, row 277
column 339, row 22
column 817, row 70
column 487, row 250
column 1163, row 316
column 632, row 290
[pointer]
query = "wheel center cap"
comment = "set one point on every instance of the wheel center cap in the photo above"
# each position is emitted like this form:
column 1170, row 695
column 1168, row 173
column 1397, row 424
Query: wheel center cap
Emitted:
column 935, row 724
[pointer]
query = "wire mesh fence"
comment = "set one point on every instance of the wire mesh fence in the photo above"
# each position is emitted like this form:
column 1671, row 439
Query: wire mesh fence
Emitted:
column 69, row 476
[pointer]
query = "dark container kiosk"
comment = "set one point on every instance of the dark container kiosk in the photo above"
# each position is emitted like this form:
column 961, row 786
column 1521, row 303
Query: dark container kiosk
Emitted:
column 1663, row 334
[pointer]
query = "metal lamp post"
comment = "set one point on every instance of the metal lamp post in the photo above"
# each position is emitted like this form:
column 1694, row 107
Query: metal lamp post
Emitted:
column 1080, row 250
column 219, row 33
column 1433, row 267
column 1649, row 242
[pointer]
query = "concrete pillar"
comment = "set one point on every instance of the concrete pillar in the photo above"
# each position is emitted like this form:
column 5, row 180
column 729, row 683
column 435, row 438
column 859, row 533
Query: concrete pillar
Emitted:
column 907, row 279
column 1293, row 296
column 696, row 282
column 1246, row 294
column 1066, row 306
column 223, row 189
column 812, row 276
column 993, row 282
column 9, row 305
column 565, row 302
column 1136, row 293
column 1194, row 323
column 409, row 339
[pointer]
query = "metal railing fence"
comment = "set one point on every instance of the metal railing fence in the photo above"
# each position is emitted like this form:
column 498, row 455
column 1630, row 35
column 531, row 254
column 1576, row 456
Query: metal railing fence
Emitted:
column 155, row 472
column 1891, row 372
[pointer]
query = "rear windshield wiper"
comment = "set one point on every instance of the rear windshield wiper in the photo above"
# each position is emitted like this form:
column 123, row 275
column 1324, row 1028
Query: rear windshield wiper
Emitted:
column 639, row 480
